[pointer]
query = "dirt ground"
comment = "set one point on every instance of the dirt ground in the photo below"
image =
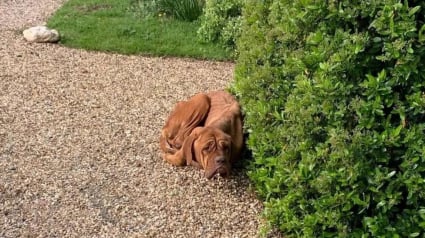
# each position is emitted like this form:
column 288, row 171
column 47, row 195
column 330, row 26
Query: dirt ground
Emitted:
column 79, row 154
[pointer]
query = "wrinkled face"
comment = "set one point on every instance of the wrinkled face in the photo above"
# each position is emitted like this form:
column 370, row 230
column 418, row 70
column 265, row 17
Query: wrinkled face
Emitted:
column 212, row 150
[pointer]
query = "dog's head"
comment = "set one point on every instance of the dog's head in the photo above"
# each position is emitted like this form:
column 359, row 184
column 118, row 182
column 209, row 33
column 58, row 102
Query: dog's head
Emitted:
column 209, row 149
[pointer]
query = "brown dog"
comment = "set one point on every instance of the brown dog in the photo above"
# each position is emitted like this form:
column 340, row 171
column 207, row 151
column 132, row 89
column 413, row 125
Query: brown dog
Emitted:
column 185, row 117
column 210, row 127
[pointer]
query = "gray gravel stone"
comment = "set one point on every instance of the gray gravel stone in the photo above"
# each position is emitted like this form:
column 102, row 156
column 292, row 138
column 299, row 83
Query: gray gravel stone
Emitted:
column 41, row 34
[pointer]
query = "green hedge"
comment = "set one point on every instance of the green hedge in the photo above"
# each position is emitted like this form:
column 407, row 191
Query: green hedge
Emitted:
column 221, row 22
column 334, row 100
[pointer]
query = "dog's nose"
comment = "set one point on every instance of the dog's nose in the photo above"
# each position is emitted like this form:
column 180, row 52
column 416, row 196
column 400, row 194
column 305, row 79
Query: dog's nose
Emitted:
column 220, row 160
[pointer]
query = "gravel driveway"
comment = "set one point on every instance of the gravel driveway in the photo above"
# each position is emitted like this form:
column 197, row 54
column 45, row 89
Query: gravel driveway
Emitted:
column 79, row 153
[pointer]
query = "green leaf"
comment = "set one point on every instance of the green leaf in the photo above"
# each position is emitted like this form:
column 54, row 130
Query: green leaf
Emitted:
column 396, row 132
column 414, row 10
column 392, row 173
column 422, row 34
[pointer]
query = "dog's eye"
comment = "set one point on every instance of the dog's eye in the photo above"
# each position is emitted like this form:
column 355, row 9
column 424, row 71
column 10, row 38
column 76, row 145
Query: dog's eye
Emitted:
column 224, row 145
column 209, row 146
column 225, row 148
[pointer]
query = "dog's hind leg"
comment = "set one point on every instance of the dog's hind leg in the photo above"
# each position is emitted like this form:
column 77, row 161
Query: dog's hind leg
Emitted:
column 185, row 117
column 176, row 159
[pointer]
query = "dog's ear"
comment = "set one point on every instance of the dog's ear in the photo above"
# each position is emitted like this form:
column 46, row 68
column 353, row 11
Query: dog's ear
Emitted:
column 188, row 148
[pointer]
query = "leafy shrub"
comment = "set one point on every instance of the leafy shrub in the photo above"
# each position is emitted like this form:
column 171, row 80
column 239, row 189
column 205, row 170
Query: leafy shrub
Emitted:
column 221, row 22
column 334, row 97
column 186, row 10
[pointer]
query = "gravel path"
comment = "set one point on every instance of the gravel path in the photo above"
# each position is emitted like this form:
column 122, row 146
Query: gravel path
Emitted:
column 79, row 153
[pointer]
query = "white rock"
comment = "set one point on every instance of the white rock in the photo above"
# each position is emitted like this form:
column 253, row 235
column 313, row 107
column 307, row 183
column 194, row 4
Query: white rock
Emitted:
column 41, row 34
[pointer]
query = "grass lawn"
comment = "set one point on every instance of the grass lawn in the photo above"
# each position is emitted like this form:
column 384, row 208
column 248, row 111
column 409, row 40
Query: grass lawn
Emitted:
column 117, row 26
